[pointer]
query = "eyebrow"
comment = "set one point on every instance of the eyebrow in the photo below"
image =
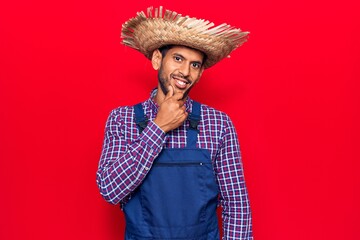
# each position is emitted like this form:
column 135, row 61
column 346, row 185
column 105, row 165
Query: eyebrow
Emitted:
column 179, row 55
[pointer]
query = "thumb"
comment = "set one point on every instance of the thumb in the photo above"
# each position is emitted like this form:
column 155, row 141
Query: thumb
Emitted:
column 170, row 93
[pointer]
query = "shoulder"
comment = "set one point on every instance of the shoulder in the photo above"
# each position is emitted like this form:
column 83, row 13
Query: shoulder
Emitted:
column 211, row 113
column 123, row 112
column 121, row 120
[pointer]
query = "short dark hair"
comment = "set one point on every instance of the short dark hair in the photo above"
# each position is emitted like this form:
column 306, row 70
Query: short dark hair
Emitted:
column 166, row 48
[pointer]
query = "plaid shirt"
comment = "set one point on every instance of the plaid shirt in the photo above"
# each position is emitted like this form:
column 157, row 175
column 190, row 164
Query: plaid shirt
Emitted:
column 127, row 157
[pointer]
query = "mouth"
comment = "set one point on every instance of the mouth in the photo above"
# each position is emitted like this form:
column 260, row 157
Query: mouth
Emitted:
column 180, row 82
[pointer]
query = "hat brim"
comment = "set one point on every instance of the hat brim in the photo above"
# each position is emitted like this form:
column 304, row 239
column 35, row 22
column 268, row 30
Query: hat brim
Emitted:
column 147, row 33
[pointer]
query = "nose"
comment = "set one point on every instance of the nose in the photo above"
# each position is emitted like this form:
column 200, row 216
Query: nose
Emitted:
column 185, row 69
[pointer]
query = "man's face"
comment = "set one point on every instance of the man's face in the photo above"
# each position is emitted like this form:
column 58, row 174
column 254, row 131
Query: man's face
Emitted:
column 181, row 68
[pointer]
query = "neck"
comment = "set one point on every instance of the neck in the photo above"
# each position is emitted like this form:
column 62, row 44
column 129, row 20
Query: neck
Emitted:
column 159, row 96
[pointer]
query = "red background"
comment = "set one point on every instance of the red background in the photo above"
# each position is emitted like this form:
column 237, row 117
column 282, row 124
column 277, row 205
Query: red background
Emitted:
column 292, row 92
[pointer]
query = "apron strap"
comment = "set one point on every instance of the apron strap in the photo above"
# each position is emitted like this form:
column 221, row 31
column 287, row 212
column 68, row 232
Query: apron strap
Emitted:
column 140, row 117
column 194, row 119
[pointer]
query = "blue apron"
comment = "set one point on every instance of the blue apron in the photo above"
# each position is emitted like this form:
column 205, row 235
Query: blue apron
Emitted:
column 178, row 198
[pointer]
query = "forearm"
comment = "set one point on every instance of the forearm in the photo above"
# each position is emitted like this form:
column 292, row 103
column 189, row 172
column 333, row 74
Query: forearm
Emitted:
column 237, row 221
column 123, row 168
column 236, row 212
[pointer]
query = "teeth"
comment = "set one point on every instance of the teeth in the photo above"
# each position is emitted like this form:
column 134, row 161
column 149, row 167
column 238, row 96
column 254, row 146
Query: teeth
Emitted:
column 181, row 83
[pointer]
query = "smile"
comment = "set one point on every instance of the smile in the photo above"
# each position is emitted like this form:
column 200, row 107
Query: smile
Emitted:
column 180, row 82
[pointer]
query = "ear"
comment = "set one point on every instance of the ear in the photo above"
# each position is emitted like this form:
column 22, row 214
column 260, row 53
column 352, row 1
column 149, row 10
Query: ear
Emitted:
column 156, row 59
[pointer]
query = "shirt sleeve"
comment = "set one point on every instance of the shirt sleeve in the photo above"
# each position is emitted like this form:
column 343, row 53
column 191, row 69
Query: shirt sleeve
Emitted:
column 123, row 165
column 236, row 214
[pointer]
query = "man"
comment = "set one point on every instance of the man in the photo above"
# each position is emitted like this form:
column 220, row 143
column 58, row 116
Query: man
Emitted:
column 169, row 160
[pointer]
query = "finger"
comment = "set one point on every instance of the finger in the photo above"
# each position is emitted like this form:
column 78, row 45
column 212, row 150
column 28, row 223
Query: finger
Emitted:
column 170, row 93
column 184, row 116
column 180, row 104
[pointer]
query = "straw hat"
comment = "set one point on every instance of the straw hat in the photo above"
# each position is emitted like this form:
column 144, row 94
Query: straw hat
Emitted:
column 148, row 32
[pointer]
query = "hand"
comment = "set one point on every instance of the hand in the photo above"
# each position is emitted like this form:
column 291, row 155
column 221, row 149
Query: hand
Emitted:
column 172, row 112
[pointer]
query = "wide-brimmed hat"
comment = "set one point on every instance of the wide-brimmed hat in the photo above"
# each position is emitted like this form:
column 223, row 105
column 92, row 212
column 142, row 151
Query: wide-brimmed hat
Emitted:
column 157, row 28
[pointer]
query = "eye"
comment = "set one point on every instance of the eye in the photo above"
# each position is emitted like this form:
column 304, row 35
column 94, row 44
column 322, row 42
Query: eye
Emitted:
column 177, row 58
column 196, row 65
